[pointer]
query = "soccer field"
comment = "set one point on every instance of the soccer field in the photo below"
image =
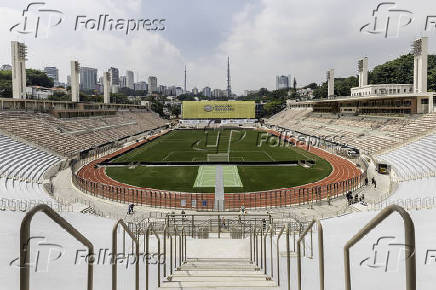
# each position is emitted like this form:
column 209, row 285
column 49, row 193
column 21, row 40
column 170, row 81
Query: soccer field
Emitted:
column 217, row 146
column 196, row 145
column 207, row 174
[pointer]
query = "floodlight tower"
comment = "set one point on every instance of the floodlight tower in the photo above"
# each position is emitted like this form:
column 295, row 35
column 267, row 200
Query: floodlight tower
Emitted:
column 331, row 83
column 363, row 72
column 75, row 72
column 420, row 53
column 229, row 87
column 18, row 54
column 107, row 86
column 185, row 81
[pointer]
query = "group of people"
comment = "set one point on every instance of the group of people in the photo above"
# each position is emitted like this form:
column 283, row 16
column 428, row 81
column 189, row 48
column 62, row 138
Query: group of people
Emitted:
column 356, row 199
column 373, row 181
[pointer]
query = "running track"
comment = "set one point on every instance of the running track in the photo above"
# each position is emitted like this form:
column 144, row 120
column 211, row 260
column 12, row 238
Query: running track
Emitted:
column 344, row 176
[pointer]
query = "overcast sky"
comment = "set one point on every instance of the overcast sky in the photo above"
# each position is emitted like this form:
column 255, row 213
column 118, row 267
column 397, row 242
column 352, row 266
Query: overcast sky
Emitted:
column 263, row 38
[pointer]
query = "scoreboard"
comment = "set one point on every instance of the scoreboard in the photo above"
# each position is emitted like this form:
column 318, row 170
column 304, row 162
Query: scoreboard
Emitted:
column 218, row 110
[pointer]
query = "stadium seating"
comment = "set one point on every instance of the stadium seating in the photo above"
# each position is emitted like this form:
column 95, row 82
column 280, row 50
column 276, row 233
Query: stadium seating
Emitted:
column 370, row 134
column 23, row 163
column 414, row 160
column 52, row 133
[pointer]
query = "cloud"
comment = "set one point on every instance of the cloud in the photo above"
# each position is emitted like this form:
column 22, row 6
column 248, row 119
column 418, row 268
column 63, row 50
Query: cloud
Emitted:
column 263, row 38
column 143, row 51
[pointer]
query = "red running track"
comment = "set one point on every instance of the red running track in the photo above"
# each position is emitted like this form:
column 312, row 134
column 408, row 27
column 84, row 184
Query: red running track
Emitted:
column 345, row 176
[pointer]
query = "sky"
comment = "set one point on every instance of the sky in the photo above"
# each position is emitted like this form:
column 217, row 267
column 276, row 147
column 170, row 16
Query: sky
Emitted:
column 263, row 38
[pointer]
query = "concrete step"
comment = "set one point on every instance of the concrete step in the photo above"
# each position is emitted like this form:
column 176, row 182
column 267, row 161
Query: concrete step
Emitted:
column 221, row 284
column 216, row 278
column 242, row 260
column 218, row 267
column 192, row 273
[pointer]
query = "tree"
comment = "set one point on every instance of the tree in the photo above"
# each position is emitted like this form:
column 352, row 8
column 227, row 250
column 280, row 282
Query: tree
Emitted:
column 6, row 84
column 38, row 78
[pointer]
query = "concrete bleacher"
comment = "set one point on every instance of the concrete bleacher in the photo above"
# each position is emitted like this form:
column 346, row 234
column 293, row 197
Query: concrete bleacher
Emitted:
column 52, row 133
column 414, row 160
column 23, row 163
column 370, row 134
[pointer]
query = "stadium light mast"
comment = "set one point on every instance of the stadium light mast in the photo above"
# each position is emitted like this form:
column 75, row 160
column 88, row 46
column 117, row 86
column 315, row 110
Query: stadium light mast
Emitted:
column 229, row 87
column 185, row 81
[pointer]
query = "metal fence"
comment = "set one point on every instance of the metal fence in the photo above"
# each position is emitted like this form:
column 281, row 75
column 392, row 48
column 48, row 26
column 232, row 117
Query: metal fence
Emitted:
column 232, row 201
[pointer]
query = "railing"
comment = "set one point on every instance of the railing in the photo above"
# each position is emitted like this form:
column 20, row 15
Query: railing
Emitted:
column 26, row 205
column 115, row 253
column 25, row 244
column 409, row 240
column 232, row 202
column 320, row 252
column 259, row 233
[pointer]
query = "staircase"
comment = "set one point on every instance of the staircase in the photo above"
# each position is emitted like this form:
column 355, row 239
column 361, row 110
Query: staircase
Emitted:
column 218, row 273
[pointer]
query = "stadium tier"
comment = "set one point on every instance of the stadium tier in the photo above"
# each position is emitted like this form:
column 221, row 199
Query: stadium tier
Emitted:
column 53, row 133
column 414, row 160
column 369, row 134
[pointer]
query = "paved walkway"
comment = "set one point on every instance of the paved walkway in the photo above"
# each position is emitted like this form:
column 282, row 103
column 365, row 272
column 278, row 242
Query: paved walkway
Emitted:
column 219, row 187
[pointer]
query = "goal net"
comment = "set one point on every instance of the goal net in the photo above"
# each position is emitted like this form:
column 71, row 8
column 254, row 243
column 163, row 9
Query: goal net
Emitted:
column 218, row 157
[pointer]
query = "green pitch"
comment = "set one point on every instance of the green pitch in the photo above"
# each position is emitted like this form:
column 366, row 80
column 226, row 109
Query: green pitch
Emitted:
column 218, row 145
column 206, row 176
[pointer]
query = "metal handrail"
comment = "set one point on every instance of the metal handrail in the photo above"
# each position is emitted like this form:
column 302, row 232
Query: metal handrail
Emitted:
column 288, row 258
column 409, row 239
column 320, row 253
column 264, row 247
column 25, row 243
column 150, row 228
column 165, row 231
column 115, row 253
column 278, row 255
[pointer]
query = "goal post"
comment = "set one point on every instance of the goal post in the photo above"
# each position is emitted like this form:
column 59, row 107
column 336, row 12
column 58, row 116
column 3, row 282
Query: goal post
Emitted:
column 224, row 157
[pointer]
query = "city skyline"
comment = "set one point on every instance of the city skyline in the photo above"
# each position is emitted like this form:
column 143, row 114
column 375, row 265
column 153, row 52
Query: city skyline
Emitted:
column 304, row 48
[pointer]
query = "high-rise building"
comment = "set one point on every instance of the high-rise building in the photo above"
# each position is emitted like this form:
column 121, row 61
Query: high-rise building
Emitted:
column 130, row 79
column 141, row 86
column 195, row 91
column 282, row 82
column 115, row 76
column 171, row 91
column 217, row 93
column 152, row 84
column 68, row 80
column 52, row 72
column 18, row 53
column 88, row 78
column 123, row 82
column 207, row 92
column 179, row 91
column 162, row 89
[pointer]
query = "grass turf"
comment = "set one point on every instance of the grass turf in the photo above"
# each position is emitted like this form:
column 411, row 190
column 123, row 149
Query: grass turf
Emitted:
column 195, row 145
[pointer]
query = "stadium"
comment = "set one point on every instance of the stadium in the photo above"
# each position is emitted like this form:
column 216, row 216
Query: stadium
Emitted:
column 317, row 196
